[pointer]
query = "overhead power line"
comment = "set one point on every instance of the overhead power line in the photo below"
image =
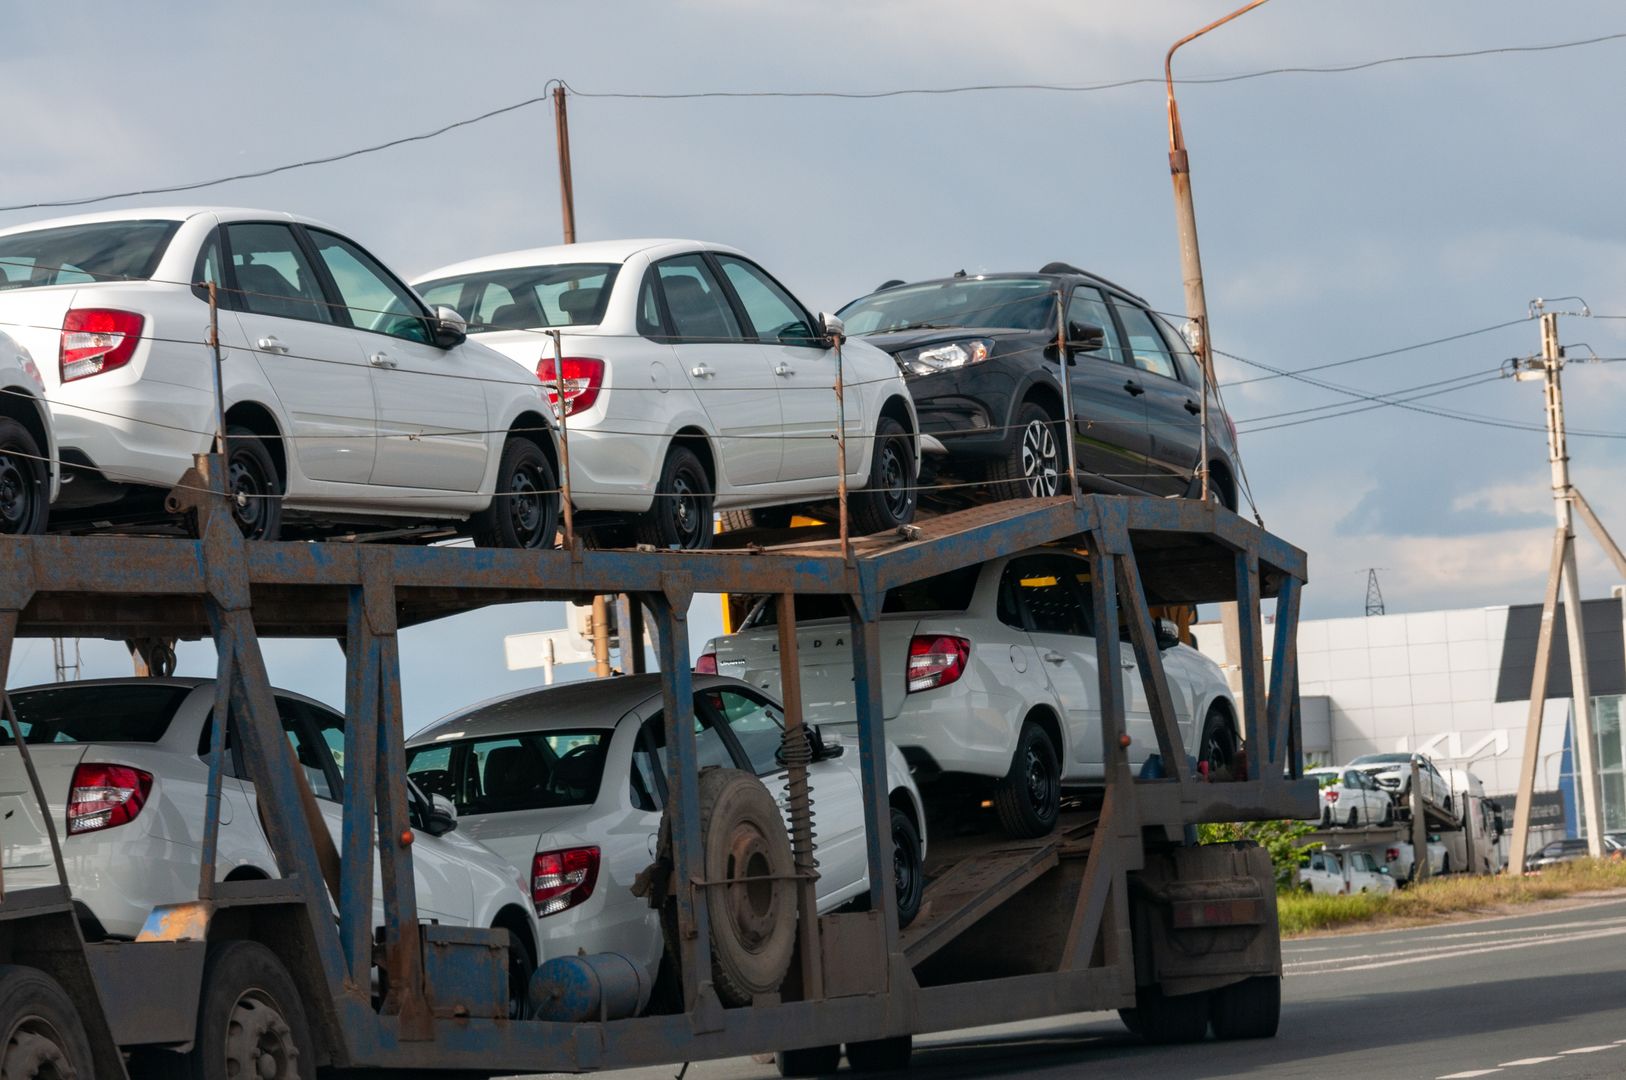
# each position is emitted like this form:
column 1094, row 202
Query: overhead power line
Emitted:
column 859, row 95
column 1379, row 355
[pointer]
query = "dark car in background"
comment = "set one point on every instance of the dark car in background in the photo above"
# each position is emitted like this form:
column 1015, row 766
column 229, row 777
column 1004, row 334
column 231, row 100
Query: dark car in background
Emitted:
column 979, row 355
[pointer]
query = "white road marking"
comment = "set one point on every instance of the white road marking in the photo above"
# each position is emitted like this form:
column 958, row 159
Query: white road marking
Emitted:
column 1528, row 1061
column 1395, row 959
column 1412, row 949
column 1588, row 1049
column 1470, row 1072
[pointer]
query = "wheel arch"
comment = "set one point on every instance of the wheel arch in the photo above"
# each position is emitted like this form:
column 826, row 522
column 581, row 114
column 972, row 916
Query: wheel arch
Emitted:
column 511, row 917
column 532, row 425
column 1048, row 722
column 262, row 421
column 698, row 441
column 21, row 405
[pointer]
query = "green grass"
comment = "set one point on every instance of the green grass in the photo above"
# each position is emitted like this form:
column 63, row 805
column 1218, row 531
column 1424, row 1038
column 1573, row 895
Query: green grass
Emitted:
column 1442, row 898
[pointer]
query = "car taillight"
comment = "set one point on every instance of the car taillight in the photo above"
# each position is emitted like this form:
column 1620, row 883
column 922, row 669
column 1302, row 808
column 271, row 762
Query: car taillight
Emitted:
column 936, row 660
column 1332, row 796
column 584, row 377
column 1391, row 854
column 562, row 879
column 95, row 340
column 707, row 664
column 103, row 796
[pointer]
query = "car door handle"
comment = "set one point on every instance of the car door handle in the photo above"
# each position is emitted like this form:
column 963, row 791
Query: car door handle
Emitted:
column 701, row 371
column 379, row 359
column 1127, row 665
column 1134, row 388
column 1193, row 408
column 784, row 370
column 1054, row 658
column 272, row 345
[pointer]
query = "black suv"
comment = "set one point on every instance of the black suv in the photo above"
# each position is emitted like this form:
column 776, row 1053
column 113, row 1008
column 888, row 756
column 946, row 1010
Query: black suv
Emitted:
column 979, row 356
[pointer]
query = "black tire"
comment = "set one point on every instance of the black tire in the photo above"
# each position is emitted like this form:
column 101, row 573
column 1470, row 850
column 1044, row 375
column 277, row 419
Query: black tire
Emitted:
column 808, row 1061
column 1250, row 1009
column 248, row 1011
column 681, row 514
column 253, row 485
column 881, row 1055
column 43, row 1036
column 524, row 511
column 1354, row 818
column 1388, row 814
column 889, row 496
column 908, row 870
column 25, row 481
column 521, row 965
column 1326, row 817
column 1162, row 1020
column 1219, row 743
column 1034, row 466
column 753, row 920
column 1445, row 863
column 1028, row 798
column 763, row 517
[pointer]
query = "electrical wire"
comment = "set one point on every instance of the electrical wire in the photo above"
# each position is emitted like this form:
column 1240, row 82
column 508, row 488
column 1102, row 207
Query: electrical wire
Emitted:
column 1288, row 373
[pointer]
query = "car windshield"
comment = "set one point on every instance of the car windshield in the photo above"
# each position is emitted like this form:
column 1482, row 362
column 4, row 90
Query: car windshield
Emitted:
column 504, row 773
column 126, row 712
column 1005, row 302
column 526, row 297
column 945, row 592
column 75, row 254
column 1382, row 759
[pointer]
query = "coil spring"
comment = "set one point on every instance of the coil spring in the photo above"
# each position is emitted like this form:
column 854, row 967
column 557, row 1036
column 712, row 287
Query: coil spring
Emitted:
column 796, row 752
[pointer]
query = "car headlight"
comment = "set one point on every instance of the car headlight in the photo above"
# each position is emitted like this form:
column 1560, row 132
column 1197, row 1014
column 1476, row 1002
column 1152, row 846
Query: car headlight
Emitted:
column 944, row 357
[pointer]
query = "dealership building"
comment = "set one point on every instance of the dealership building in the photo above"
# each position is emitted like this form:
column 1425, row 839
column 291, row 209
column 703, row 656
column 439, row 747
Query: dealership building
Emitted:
column 1455, row 685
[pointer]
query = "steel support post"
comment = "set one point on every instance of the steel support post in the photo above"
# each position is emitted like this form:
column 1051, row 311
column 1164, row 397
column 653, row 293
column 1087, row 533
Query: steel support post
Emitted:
column 1149, row 658
column 1250, row 646
column 1421, row 868
column 1538, row 703
column 219, row 723
column 361, row 684
column 8, row 638
column 1282, row 703
column 800, row 798
column 630, row 616
column 867, row 677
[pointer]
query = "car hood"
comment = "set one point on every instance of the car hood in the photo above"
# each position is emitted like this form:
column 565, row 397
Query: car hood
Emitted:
column 900, row 340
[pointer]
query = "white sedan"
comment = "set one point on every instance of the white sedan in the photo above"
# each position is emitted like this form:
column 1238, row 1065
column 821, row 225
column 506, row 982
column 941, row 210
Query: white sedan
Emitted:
column 693, row 381
column 1392, row 773
column 1350, row 797
column 348, row 402
column 123, row 765
column 989, row 682
column 1335, row 874
column 570, row 781
column 28, row 472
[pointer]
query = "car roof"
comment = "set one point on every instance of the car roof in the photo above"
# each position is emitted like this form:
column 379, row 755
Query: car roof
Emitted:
column 163, row 213
column 596, row 251
column 123, row 680
column 587, row 703
column 1057, row 271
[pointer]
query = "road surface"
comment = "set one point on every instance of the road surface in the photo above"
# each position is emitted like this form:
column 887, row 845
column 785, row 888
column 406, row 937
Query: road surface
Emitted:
column 1533, row 996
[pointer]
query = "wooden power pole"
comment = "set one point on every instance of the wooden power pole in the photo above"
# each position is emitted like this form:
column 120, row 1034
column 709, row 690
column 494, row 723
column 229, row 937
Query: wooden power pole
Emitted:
column 567, row 192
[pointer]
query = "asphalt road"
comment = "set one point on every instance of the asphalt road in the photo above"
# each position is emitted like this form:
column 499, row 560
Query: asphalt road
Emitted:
column 1531, row 996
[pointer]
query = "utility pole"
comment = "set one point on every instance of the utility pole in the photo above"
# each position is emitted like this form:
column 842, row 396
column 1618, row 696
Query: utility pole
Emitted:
column 1566, row 498
column 1374, row 595
column 567, row 192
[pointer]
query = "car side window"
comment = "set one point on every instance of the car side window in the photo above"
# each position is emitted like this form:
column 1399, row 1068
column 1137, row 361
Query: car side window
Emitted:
column 649, row 308
column 376, row 301
column 648, row 780
column 1191, row 373
column 710, row 749
column 1047, row 594
column 757, row 725
column 233, row 765
column 310, row 749
column 271, row 274
column 776, row 318
column 1086, row 306
column 1147, row 350
column 695, row 301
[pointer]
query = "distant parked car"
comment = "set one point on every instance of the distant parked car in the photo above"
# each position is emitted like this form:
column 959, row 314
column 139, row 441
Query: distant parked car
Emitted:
column 1401, row 859
column 123, row 764
column 693, row 381
column 1570, row 850
column 1393, row 774
column 990, row 682
column 1336, row 873
column 29, row 476
column 349, row 402
column 979, row 353
column 1350, row 797
column 570, row 781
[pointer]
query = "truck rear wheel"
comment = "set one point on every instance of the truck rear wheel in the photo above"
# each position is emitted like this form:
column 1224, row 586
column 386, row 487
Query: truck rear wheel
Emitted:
column 753, row 916
column 43, row 1034
column 1158, row 1018
column 250, row 1019
column 1250, row 1009
column 808, row 1061
column 881, row 1055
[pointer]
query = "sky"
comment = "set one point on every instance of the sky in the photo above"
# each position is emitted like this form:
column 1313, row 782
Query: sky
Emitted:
column 1340, row 214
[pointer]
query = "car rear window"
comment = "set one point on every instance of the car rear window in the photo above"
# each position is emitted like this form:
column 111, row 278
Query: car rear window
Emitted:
column 75, row 254
column 501, row 774
column 528, row 297
column 83, row 714
column 945, row 592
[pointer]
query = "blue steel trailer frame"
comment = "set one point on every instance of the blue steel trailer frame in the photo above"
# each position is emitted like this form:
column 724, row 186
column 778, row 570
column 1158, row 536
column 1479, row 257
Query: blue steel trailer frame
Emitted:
column 437, row 1012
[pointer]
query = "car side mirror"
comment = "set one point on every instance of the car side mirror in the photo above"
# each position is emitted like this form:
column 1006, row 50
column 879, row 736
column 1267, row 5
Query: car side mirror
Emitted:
column 824, row 746
column 442, row 817
column 1168, row 634
column 1084, row 337
column 451, row 329
column 831, row 329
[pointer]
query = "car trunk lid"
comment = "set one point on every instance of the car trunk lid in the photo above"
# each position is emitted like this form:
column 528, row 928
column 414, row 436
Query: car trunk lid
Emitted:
column 825, row 650
column 23, row 836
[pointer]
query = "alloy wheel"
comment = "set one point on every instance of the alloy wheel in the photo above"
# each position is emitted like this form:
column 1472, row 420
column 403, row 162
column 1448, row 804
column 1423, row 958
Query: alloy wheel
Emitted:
column 1040, row 462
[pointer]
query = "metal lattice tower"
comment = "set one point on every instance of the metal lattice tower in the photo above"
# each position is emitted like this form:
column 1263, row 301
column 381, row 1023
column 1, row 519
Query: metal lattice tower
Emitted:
column 65, row 652
column 1374, row 594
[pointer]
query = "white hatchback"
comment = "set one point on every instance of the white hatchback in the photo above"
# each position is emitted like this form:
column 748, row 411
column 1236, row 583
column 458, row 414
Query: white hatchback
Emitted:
column 692, row 381
column 348, row 402
column 570, row 781
column 28, row 473
column 989, row 681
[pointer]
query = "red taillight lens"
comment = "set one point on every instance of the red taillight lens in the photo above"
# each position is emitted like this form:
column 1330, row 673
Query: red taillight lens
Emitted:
column 936, row 660
column 95, row 340
column 584, row 377
column 562, row 879
column 707, row 664
column 1391, row 854
column 103, row 796
column 1332, row 796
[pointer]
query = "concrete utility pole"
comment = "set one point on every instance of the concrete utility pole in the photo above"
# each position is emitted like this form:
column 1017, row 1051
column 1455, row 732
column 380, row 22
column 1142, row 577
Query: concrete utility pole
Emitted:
column 567, row 192
column 1562, row 570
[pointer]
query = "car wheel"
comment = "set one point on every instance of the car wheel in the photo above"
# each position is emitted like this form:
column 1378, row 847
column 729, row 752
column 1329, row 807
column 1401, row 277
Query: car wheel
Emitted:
column 889, row 496
column 1354, row 817
column 908, row 872
column 681, row 514
column 43, row 1035
column 1326, row 817
column 1388, row 814
column 1033, row 465
column 524, row 511
column 1219, row 744
column 250, row 1018
column 521, row 965
column 763, row 517
column 1250, row 1009
column 252, row 485
column 25, row 481
column 1445, row 863
column 1028, row 798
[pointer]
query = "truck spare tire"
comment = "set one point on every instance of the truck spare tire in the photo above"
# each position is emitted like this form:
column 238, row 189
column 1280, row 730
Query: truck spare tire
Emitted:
column 753, row 906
